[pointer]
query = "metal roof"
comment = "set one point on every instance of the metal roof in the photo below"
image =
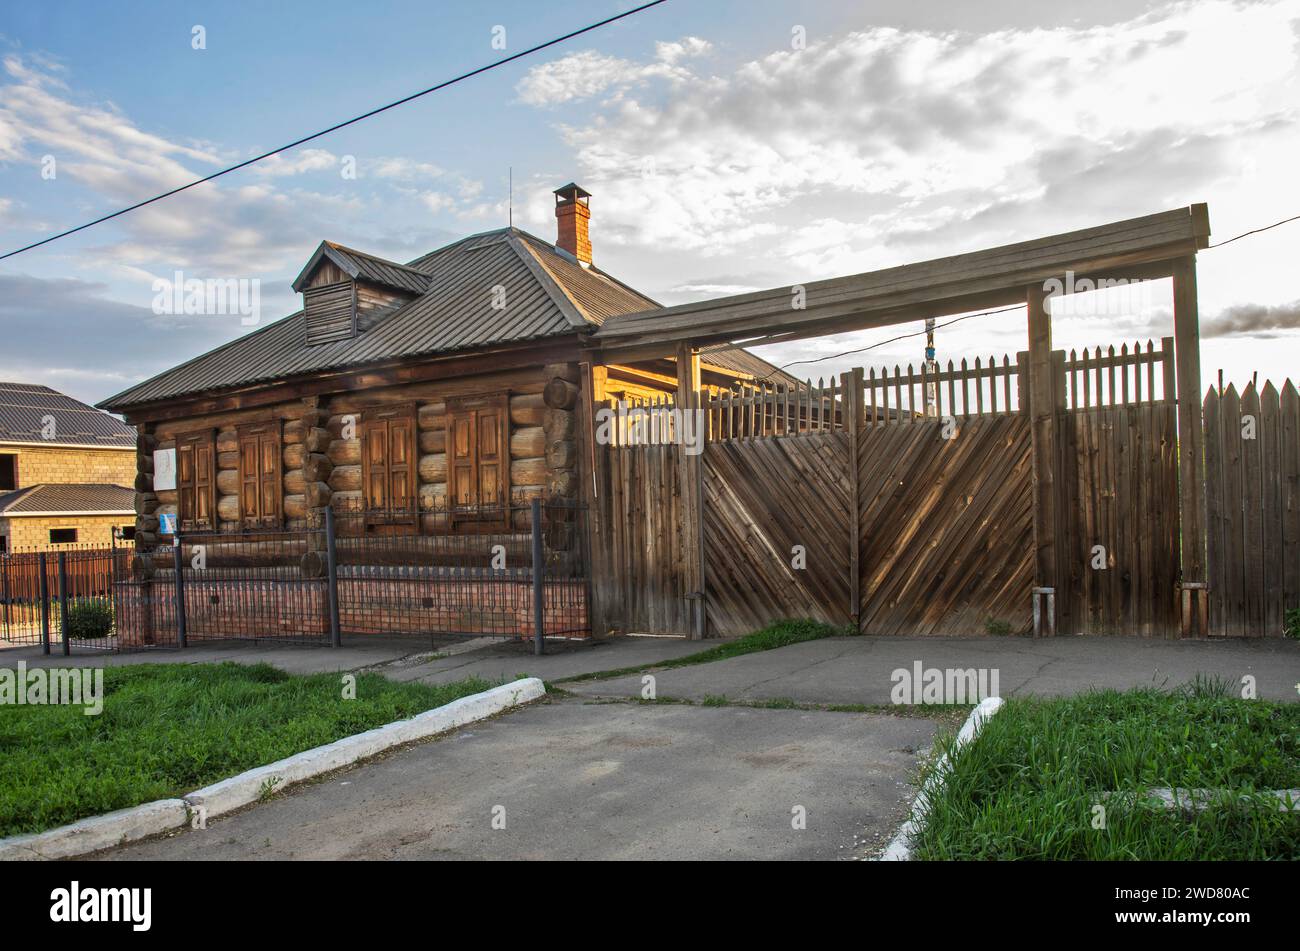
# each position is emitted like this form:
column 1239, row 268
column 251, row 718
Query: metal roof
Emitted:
column 366, row 267
column 547, row 294
column 37, row 415
column 64, row 499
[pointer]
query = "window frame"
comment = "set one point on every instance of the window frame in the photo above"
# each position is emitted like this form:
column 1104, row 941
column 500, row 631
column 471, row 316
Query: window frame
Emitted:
column 71, row 541
column 473, row 407
column 257, row 432
column 194, row 441
column 386, row 517
column 17, row 482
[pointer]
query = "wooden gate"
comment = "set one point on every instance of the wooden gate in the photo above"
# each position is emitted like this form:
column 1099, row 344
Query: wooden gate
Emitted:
column 903, row 503
column 946, row 526
column 776, row 531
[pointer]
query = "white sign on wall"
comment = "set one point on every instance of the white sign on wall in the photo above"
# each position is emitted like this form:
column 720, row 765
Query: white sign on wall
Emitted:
column 164, row 470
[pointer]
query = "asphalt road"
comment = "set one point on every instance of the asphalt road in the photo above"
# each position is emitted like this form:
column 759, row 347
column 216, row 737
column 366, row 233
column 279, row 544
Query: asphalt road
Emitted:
column 578, row 780
column 849, row 670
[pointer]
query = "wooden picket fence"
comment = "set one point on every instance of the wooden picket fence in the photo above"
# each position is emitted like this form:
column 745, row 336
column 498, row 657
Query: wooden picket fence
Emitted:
column 1252, row 489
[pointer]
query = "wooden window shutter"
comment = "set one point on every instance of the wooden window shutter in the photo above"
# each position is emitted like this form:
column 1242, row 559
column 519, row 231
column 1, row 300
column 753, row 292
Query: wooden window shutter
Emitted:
column 260, row 487
column 493, row 425
column 196, row 482
column 478, row 450
column 388, row 462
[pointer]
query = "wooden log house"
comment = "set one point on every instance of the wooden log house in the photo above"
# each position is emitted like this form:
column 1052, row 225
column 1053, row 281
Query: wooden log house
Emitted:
column 409, row 391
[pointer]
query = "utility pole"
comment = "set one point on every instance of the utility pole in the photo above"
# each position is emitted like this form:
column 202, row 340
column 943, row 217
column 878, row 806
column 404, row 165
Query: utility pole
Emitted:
column 931, row 371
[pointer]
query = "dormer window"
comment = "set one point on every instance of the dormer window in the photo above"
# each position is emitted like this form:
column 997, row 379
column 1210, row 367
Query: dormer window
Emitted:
column 346, row 292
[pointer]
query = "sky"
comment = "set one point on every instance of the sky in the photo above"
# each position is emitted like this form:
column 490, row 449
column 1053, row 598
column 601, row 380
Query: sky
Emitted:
column 729, row 146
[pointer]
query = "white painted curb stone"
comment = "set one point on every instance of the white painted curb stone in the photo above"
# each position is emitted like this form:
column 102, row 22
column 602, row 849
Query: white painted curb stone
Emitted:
column 248, row 787
column 151, row 818
column 900, row 847
column 97, row 832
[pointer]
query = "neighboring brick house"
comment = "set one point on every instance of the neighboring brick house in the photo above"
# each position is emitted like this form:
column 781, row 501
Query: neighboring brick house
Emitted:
column 66, row 471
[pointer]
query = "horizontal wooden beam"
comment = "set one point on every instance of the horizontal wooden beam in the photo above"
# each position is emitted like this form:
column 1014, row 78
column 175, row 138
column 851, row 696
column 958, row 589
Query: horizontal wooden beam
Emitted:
column 1138, row 249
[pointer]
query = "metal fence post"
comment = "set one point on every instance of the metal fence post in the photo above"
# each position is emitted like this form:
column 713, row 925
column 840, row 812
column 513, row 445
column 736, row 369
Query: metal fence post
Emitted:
column 332, row 576
column 63, row 602
column 4, row 563
column 178, row 560
column 43, row 564
column 539, row 581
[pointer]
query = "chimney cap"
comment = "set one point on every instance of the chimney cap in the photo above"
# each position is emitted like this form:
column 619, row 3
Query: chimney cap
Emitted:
column 571, row 192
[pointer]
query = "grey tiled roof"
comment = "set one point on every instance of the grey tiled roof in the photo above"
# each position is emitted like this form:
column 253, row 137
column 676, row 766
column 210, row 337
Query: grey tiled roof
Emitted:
column 547, row 295
column 71, row 497
column 25, row 406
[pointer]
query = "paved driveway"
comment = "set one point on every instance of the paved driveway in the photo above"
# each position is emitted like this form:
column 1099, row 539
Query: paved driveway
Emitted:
column 846, row 670
column 583, row 780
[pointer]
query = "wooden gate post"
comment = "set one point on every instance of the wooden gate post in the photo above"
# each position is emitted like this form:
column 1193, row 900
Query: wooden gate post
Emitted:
column 1043, row 420
column 688, row 392
column 855, row 423
column 1191, row 440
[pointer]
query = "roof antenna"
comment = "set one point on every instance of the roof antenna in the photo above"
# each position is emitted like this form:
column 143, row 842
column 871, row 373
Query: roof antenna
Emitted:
column 511, row 204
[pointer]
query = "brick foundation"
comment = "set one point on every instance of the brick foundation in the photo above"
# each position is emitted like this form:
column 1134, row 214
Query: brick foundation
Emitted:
column 298, row 609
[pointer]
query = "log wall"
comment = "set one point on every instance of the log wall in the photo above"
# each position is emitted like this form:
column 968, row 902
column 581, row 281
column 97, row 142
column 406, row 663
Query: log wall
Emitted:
column 321, row 453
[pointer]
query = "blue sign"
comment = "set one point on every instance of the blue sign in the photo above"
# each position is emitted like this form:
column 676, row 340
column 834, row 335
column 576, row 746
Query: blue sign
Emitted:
column 167, row 523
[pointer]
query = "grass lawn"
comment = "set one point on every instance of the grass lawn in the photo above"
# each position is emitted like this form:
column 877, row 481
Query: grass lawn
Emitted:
column 780, row 634
column 167, row 729
column 1027, row 787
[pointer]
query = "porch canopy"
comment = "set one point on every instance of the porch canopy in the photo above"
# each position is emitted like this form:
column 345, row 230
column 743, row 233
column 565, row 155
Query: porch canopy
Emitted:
column 1140, row 248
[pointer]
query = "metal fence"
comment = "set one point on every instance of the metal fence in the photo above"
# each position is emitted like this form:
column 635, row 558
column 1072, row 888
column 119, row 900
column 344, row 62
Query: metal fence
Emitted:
column 516, row 569
column 62, row 599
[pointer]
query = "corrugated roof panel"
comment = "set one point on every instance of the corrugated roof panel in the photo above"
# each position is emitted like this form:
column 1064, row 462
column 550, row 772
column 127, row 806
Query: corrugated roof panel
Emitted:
column 547, row 294
column 69, row 497
column 38, row 415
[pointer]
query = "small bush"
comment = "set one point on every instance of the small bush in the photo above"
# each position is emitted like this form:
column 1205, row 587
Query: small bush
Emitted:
column 90, row 619
column 997, row 628
column 1292, row 628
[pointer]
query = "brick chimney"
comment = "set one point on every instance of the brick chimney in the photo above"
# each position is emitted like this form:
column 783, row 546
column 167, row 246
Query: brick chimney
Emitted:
column 572, row 210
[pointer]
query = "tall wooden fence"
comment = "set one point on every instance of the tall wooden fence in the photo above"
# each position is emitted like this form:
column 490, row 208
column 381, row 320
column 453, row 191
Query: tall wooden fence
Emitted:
column 900, row 501
column 1252, row 489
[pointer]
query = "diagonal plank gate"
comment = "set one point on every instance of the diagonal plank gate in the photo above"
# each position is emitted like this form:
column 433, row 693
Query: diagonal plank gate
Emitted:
column 843, row 503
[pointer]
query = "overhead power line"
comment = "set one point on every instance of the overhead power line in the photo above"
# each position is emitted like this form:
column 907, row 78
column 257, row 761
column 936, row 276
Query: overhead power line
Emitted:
column 881, row 343
column 340, row 125
column 1247, row 234
column 848, row 353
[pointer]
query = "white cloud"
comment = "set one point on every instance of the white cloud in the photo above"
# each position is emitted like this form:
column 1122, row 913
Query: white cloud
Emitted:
column 436, row 201
column 687, row 46
column 405, row 169
column 588, row 73
column 296, row 162
column 238, row 226
column 923, row 139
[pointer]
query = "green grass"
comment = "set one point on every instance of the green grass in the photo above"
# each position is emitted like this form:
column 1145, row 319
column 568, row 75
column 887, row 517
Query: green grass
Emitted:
column 168, row 729
column 780, row 634
column 1027, row 787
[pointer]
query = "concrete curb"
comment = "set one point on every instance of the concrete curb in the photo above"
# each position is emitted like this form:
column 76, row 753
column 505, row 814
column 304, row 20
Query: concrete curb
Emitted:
column 239, row 791
column 900, row 847
column 138, row 822
column 97, row 832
